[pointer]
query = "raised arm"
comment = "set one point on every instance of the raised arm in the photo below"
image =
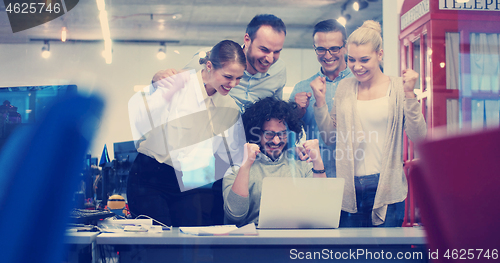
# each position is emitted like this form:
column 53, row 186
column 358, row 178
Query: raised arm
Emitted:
column 414, row 122
column 302, row 99
column 236, row 187
column 169, row 81
column 326, row 122
column 312, row 149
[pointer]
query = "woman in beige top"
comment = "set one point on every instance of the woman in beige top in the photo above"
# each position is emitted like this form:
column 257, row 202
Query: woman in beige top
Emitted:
column 367, row 121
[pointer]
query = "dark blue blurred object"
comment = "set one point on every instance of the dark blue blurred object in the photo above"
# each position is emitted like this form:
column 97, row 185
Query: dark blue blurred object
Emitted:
column 104, row 156
column 39, row 167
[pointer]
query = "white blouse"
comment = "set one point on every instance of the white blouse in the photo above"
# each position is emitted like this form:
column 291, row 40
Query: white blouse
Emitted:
column 373, row 115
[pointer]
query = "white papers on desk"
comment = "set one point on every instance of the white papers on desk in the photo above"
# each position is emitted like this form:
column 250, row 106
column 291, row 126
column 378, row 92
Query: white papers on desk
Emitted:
column 223, row 230
column 128, row 225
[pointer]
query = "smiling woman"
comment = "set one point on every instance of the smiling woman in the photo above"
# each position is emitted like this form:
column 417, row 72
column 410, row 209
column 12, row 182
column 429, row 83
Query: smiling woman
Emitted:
column 182, row 124
column 372, row 102
column 224, row 66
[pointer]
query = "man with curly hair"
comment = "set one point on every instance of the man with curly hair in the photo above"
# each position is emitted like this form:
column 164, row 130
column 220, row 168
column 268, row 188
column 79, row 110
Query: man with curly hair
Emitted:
column 267, row 124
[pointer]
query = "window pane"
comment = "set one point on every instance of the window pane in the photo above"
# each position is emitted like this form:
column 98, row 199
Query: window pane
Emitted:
column 485, row 80
column 452, row 60
column 484, row 62
column 452, row 118
column 408, row 56
column 427, row 59
column 416, row 61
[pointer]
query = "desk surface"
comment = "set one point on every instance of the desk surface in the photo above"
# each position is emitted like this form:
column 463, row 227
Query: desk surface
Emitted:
column 342, row 236
column 80, row 238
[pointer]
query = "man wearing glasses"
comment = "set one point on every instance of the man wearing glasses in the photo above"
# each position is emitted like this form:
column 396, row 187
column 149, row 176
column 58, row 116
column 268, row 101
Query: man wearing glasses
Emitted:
column 329, row 43
column 266, row 123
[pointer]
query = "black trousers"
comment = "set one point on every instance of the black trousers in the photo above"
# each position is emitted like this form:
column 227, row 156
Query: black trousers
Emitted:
column 153, row 190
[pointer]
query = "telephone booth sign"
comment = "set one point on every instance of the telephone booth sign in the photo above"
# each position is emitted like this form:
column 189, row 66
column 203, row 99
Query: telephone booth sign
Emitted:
column 455, row 47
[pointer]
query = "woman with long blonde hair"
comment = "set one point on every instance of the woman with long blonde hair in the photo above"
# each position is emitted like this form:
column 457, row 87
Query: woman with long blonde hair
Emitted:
column 367, row 121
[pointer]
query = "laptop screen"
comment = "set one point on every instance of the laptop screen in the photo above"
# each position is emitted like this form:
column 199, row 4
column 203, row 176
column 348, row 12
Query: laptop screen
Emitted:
column 301, row 202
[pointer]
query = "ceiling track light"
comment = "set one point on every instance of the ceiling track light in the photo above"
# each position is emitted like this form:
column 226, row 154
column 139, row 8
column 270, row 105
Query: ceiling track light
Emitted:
column 101, row 5
column 64, row 34
column 106, row 35
column 343, row 19
column 176, row 16
column 359, row 5
column 46, row 49
column 173, row 16
column 363, row 4
column 162, row 52
column 355, row 6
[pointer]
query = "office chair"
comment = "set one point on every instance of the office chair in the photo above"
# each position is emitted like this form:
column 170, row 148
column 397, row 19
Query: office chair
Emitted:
column 39, row 166
column 457, row 187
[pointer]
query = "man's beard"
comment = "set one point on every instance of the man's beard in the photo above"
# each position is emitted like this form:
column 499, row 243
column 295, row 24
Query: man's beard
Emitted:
column 276, row 153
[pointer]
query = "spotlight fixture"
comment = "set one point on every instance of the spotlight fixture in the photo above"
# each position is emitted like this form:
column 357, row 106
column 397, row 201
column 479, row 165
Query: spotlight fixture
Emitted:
column 46, row 49
column 359, row 5
column 162, row 52
column 63, row 34
column 176, row 16
column 342, row 20
column 202, row 54
column 355, row 6
column 344, row 16
column 106, row 36
column 101, row 5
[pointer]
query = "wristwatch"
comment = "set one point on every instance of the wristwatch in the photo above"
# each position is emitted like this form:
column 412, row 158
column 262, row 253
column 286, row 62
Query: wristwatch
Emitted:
column 318, row 171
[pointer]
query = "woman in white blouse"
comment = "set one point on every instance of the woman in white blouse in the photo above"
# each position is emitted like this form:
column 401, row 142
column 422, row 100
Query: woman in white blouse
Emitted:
column 184, row 124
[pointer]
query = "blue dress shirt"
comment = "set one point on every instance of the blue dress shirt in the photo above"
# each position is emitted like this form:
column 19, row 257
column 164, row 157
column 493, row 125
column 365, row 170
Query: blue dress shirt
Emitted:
column 260, row 85
column 311, row 128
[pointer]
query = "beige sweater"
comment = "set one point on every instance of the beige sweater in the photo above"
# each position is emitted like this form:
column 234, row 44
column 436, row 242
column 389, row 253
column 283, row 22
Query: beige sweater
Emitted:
column 343, row 126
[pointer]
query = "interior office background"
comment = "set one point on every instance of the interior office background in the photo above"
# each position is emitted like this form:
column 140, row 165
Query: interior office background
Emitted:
column 135, row 64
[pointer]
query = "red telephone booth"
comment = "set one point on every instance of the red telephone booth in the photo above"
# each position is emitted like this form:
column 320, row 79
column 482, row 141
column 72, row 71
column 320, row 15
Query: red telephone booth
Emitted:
column 455, row 47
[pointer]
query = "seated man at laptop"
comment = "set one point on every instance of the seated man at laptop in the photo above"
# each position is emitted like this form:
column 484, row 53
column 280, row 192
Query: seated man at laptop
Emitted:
column 267, row 123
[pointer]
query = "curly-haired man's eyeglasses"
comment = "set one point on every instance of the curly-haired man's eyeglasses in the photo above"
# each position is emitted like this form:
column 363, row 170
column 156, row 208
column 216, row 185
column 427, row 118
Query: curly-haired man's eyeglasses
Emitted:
column 269, row 135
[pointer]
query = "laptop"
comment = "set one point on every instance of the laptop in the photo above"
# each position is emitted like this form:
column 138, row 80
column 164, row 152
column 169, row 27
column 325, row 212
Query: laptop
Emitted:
column 288, row 202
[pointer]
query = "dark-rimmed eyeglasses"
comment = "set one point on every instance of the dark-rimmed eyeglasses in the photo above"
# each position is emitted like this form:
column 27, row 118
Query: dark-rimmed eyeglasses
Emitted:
column 269, row 135
column 332, row 50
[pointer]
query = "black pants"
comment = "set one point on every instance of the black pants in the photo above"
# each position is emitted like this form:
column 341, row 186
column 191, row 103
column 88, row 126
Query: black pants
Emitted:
column 153, row 190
